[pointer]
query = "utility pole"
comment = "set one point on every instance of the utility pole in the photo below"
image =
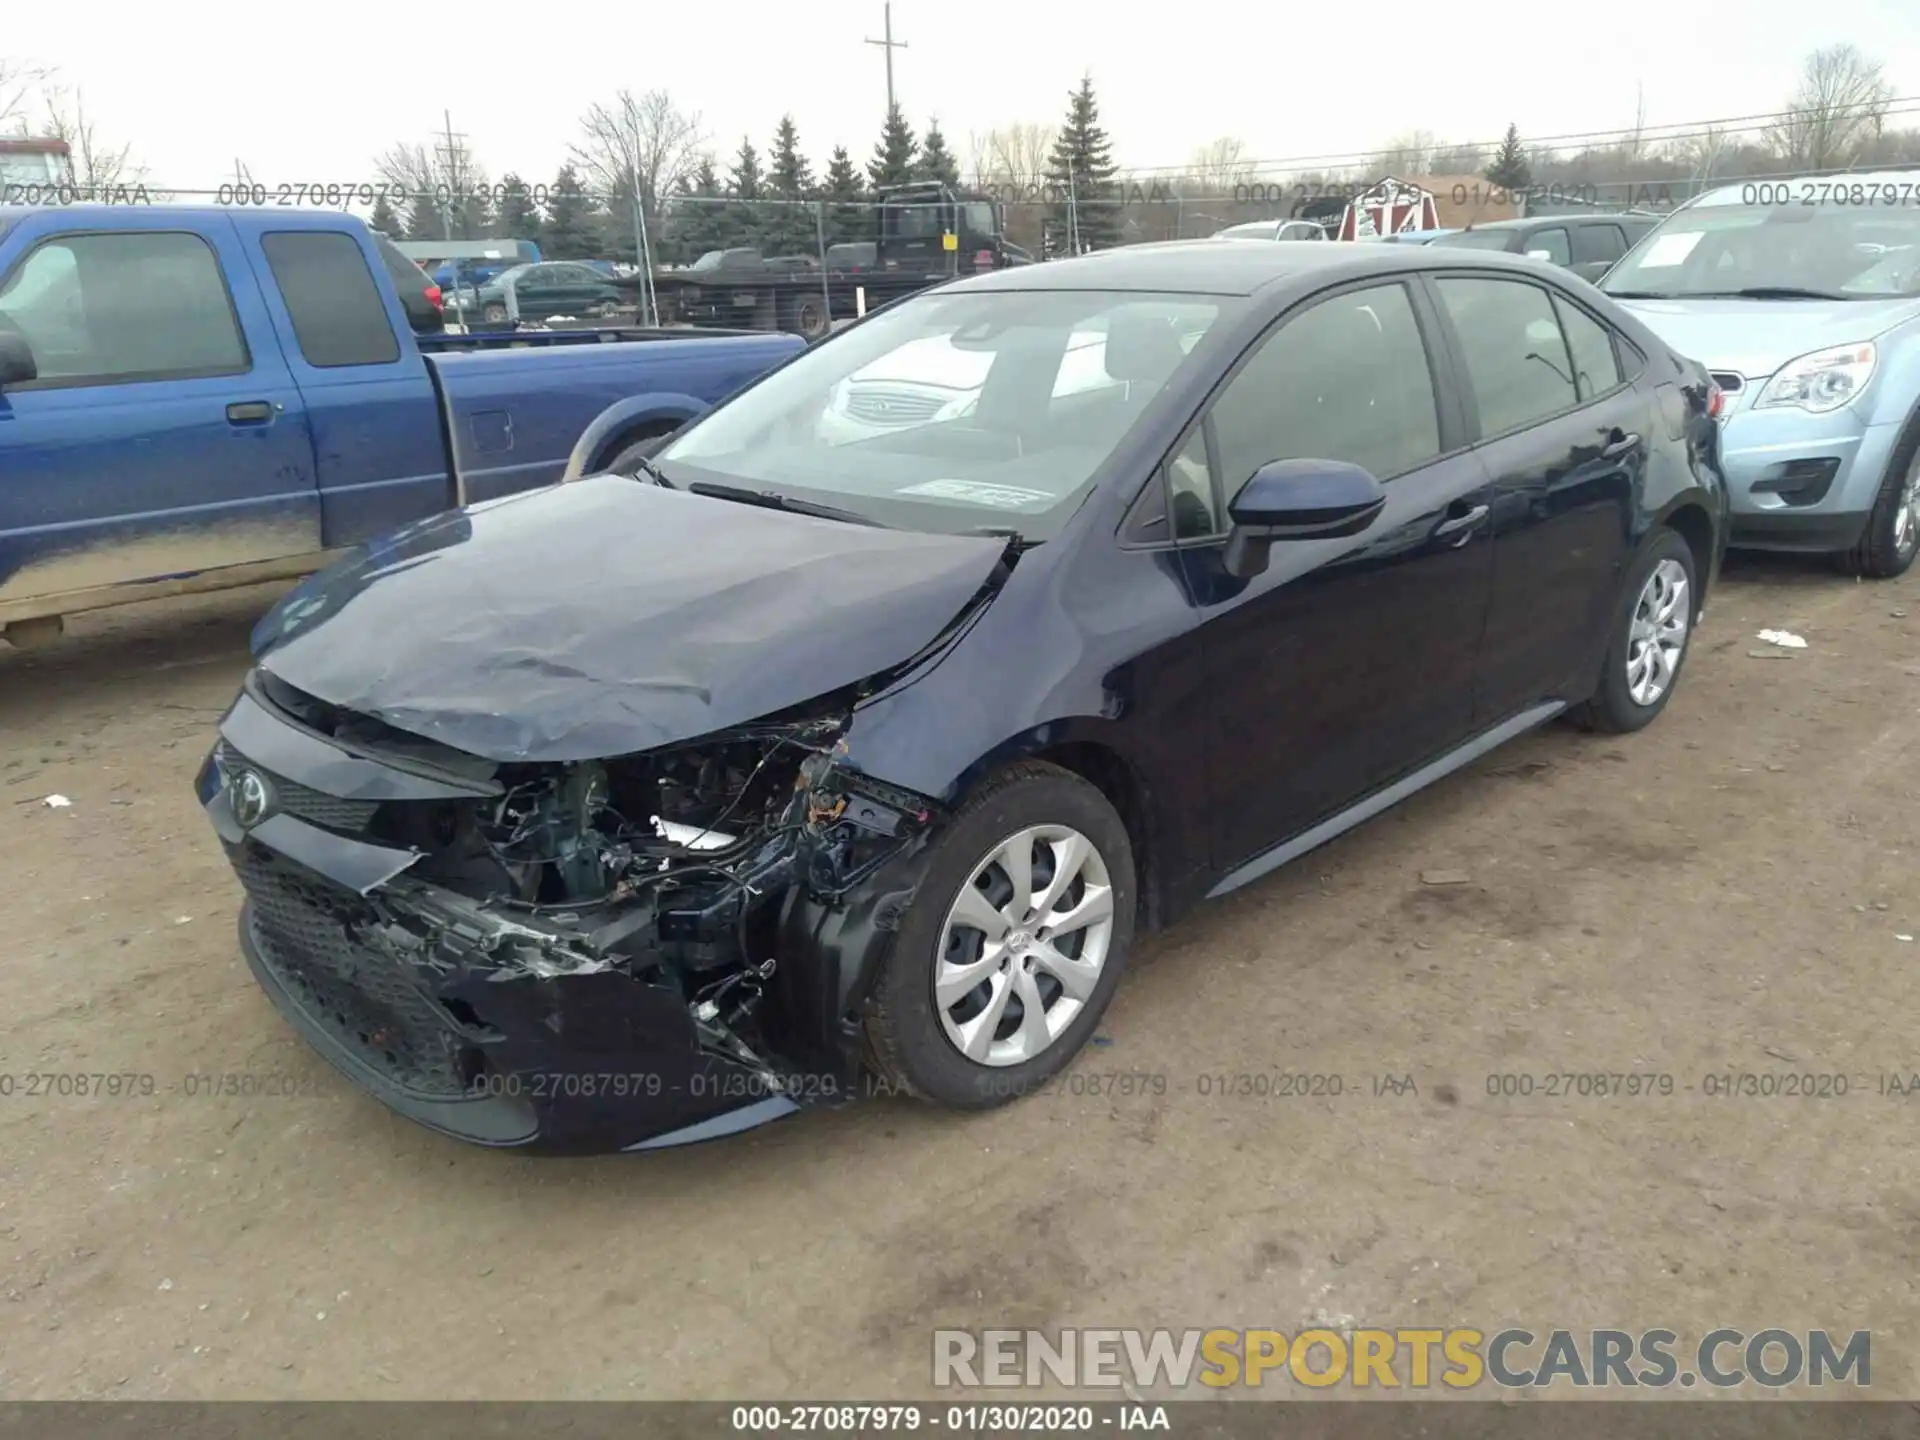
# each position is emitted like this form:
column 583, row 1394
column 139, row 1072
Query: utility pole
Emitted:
column 454, row 170
column 889, row 45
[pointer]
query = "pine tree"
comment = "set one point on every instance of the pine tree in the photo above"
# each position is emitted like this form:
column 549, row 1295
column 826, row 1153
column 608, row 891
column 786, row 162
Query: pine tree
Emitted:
column 743, row 220
column 790, row 227
column 384, row 219
column 568, row 233
column 473, row 217
column 895, row 156
column 1509, row 169
column 1081, row 170
column 848, row 217
column 937, row 162
column 424, row 218
column 519, row 217
column 698, row 223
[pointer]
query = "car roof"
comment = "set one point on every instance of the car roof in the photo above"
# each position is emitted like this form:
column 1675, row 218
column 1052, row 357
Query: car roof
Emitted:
column 1203, row 267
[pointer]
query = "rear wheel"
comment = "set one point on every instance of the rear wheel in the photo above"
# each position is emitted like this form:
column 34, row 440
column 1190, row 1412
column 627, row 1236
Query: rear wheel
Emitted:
column 1650, row 636
column 809, row 317
column 1014, row 944
column 1887, row 546
column 493, row 312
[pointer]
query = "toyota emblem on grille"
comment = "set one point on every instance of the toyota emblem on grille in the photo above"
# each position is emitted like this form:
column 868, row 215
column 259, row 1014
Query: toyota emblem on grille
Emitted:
column 251, row 796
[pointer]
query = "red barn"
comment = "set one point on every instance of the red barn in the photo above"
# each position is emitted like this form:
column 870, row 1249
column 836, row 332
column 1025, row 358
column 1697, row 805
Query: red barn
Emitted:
column 1389, row 207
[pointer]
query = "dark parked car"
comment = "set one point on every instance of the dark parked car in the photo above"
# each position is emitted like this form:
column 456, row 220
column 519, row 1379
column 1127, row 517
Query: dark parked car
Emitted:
column 1585, row 244
column 545, row 290
column 647, row 807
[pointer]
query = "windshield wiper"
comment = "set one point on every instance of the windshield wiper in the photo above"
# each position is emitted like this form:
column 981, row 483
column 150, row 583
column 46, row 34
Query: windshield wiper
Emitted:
column 1770, row 292
column 774, row 500
column 652, row 472
column 1638, row 294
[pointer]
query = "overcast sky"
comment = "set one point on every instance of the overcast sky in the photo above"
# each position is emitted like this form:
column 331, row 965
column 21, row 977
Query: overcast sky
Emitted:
column 308, row 93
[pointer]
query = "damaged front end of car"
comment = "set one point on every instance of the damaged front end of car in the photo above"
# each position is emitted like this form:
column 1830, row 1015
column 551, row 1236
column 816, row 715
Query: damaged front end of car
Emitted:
column 588, row 955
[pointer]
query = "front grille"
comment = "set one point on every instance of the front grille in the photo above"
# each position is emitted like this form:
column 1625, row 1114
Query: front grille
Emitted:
column 1729, row 382
column 303, row 929
column 316, row 807
column 892, row 405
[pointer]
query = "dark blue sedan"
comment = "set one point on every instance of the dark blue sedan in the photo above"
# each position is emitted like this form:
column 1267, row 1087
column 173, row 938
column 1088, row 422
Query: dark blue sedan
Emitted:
column 856, row 734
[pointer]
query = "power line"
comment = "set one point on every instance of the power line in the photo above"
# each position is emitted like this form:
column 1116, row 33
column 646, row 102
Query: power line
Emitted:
column 1650, row 135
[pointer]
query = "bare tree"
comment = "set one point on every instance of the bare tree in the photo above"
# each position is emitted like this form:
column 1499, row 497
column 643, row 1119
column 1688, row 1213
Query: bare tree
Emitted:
column 98, row 166
column 1013, row 158
column 1838, row 111
column 1703, row 154
column 19, row 81
column 444, row 184
column 1219, row 165
column 1457, row 160
column 1408, row 154
column 640, row 144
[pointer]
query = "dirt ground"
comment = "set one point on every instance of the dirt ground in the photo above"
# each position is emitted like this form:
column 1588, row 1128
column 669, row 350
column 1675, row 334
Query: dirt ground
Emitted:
column 1731, row 891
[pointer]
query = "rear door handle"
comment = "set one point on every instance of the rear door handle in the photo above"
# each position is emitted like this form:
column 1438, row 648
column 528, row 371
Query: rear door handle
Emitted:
column 1461, row 524
column 249, row 412
column 1618, row 444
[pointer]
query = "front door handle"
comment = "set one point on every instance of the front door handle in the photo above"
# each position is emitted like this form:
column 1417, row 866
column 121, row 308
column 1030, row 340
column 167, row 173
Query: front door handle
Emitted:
column 1461, row 524
column 1619, row 442
column 249, row 412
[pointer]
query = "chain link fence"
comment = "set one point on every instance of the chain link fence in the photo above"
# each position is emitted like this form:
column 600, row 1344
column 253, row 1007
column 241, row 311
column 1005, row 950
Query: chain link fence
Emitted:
column 515, row 256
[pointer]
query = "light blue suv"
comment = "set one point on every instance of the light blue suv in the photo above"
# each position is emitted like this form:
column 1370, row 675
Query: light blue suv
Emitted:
column 1802, row 297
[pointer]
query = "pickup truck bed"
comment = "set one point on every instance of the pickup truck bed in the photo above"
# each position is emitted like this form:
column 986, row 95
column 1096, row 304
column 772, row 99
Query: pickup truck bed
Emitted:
column 223, row 396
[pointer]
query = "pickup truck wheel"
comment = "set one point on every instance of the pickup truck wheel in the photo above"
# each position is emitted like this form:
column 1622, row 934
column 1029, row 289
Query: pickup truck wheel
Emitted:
column 638, row 446
column 1012, row 946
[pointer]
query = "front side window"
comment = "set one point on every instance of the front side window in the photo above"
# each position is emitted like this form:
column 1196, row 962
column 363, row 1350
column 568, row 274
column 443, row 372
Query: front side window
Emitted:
column 1516, row 357
column 1346, row 379
column 110, row 308
column 954, row 411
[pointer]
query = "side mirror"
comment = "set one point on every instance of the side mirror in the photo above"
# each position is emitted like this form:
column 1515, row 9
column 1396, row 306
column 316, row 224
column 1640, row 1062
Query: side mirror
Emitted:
column 17, row 364
column 1298, row 500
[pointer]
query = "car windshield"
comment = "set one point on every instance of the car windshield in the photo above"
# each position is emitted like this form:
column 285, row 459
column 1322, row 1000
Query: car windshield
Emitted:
column 711, row 260
column 1853, row 252
column 954, row 412
column 1476, row 240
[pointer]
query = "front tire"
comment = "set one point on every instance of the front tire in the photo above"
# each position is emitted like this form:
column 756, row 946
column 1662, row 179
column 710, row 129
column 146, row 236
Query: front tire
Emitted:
column 1651, row 632
column 1013, row 945
column 1887, row 547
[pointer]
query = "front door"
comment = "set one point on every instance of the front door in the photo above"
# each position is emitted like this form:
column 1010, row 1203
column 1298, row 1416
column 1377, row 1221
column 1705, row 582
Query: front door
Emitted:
column 1348, row 662
column 164, row 434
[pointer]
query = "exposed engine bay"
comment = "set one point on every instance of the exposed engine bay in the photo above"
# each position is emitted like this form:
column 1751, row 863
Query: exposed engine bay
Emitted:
column 670, row 866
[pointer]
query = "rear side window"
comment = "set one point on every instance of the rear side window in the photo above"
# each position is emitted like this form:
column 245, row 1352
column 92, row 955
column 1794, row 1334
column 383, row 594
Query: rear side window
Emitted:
column 1549, row 245
column 1596, row 369
column 1517, row 360
column 1596, row 243
column 338, row 315
column 111, row 308
column 1346, row 379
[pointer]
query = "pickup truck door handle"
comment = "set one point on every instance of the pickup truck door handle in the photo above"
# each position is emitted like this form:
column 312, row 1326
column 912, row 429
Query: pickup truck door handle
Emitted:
column 1460, row 522
column 249, row 412
column 1619, row 442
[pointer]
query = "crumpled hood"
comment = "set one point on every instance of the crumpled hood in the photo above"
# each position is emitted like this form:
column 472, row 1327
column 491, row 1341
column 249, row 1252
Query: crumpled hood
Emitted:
column 609, row 616
column 1754, row 338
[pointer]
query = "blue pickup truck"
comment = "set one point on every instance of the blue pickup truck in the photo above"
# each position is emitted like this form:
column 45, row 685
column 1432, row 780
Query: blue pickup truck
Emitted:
column 196, row 398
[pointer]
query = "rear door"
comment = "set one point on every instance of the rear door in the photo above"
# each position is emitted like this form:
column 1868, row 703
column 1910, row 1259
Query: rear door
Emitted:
column 372, row 406
column 1563, row 434
column 1349, row 661
column 164, row 434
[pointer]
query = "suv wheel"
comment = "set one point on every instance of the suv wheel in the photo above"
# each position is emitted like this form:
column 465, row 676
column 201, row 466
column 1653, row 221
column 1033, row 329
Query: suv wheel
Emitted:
column 1892, row 538
column 1014, row 944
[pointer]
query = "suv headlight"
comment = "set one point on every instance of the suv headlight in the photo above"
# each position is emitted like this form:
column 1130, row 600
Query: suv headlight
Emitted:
column 1822, row 381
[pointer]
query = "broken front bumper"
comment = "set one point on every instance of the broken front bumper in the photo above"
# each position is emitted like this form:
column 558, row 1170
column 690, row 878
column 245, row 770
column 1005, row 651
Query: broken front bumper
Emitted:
column 401, row 988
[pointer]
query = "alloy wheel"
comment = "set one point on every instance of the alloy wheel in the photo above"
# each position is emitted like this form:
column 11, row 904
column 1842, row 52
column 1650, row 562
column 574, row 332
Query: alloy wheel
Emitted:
column 1661, row 617
column 1023, row 945
column 1906, row 519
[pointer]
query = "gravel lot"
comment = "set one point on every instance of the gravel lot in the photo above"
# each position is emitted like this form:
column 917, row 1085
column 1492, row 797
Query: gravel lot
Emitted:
column 1732, row 891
